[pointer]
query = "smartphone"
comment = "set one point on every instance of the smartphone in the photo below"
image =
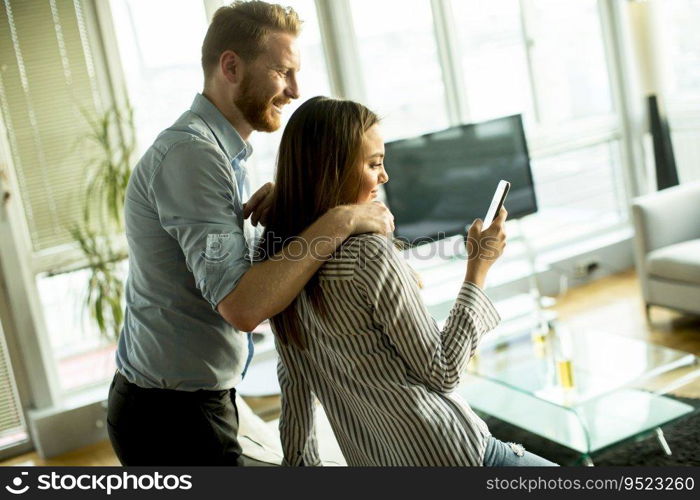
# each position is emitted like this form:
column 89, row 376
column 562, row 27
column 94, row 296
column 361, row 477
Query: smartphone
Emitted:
column 499, row 197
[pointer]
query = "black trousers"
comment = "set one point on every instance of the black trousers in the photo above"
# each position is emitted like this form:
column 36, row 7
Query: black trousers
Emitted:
column 165, row 427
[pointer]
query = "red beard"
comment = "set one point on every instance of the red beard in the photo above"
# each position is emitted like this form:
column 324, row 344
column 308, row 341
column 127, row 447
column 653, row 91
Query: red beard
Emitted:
column 257, row 108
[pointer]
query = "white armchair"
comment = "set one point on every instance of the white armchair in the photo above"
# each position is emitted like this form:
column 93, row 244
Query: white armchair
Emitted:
column 667, row 247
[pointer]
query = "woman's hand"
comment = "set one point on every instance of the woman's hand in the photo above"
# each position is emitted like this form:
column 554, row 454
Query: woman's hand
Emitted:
column 259, row 204
column 485, row 247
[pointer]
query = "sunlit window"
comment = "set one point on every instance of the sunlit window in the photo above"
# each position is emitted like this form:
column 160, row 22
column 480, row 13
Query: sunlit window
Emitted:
column 82, row 355
column 542, row 58
column 400, row 65
column 571, row 77
column 494, row 58
column 577, row 192
column 160, row 45
column 679, row 52
column 679, row 21
column 545, row 59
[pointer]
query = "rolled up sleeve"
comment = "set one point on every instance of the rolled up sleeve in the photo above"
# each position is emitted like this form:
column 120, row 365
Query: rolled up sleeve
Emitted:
column 198, row 204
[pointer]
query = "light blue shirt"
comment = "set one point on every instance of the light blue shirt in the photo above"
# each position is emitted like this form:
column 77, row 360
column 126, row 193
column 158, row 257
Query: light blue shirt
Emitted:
column 187, row 251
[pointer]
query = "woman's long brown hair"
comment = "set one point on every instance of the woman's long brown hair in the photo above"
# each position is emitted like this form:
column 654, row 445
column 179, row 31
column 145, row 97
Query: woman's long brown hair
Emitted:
column 319, row 167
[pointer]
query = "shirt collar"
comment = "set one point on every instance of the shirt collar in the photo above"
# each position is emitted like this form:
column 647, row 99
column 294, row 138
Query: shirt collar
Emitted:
column 226, row 135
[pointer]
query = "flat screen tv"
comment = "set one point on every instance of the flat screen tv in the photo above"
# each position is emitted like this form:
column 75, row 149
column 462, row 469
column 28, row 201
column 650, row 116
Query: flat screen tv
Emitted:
column 441, row 182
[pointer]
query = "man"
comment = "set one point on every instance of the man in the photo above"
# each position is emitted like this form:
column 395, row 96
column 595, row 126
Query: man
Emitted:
column 191, row 289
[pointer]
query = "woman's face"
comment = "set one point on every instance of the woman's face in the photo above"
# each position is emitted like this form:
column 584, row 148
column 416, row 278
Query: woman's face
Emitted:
column 373, row 173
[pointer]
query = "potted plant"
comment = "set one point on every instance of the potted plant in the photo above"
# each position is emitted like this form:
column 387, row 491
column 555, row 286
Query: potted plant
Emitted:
column 100, row 232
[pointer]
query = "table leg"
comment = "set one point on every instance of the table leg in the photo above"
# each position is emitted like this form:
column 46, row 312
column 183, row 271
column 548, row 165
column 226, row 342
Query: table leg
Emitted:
column 662, row 441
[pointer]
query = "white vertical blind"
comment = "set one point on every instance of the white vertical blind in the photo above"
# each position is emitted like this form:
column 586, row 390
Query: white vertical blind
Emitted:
column 47, row 88
column 12, row 426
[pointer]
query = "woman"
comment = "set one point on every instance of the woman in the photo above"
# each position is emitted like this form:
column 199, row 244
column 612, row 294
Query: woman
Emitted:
column 359, row 337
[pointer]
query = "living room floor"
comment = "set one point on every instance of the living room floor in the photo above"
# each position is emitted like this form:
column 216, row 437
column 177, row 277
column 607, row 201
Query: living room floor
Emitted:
column 612, row 304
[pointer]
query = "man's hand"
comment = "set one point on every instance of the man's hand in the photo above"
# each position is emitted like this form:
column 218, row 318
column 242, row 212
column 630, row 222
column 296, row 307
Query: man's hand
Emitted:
column 370, row 217
column 270, row 286
column 259, row 204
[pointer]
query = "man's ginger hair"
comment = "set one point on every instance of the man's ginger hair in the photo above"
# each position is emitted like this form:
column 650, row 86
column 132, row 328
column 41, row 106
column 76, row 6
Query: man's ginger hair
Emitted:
column 243, row 27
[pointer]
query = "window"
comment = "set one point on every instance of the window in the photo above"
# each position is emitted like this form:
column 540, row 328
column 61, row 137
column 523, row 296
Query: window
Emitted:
column 678, row 25
column 545, row 59
column 49, row 89
column 160, row 44
column 83, row 356
column 571, row 77
column 686, row 148
column 400, row 65
column 494, row 58
column 680, row 58
column 577, row 192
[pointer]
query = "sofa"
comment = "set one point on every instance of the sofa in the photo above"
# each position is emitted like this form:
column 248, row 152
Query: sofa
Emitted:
column 667, row 247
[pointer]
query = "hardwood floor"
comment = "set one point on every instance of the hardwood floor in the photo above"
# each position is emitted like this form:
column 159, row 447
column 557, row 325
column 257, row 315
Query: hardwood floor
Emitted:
column 615, row 305
column 99, row 454
column 611, row 304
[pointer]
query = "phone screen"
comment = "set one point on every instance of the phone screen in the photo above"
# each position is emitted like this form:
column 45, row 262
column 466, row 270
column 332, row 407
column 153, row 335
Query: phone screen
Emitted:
column 499, row 197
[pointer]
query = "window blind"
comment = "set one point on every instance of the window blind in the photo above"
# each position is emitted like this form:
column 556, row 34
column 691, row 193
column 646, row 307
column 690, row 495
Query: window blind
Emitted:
column 47, row 89
column 12, row 427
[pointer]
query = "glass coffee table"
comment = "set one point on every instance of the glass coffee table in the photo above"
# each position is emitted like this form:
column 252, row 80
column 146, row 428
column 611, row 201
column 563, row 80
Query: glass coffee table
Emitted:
column 516, row 381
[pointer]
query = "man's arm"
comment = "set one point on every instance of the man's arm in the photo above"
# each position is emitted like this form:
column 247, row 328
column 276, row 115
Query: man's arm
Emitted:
column 267, row 288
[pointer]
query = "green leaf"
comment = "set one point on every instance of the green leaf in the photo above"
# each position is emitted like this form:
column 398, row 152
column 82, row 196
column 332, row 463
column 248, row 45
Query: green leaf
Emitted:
column 108, row 168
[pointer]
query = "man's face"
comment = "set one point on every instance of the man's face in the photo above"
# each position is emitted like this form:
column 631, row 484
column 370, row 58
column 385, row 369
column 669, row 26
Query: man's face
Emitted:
column 269, row 83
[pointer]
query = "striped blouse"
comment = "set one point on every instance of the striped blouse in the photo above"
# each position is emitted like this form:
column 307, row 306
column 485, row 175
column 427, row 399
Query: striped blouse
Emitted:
column 381, row 367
